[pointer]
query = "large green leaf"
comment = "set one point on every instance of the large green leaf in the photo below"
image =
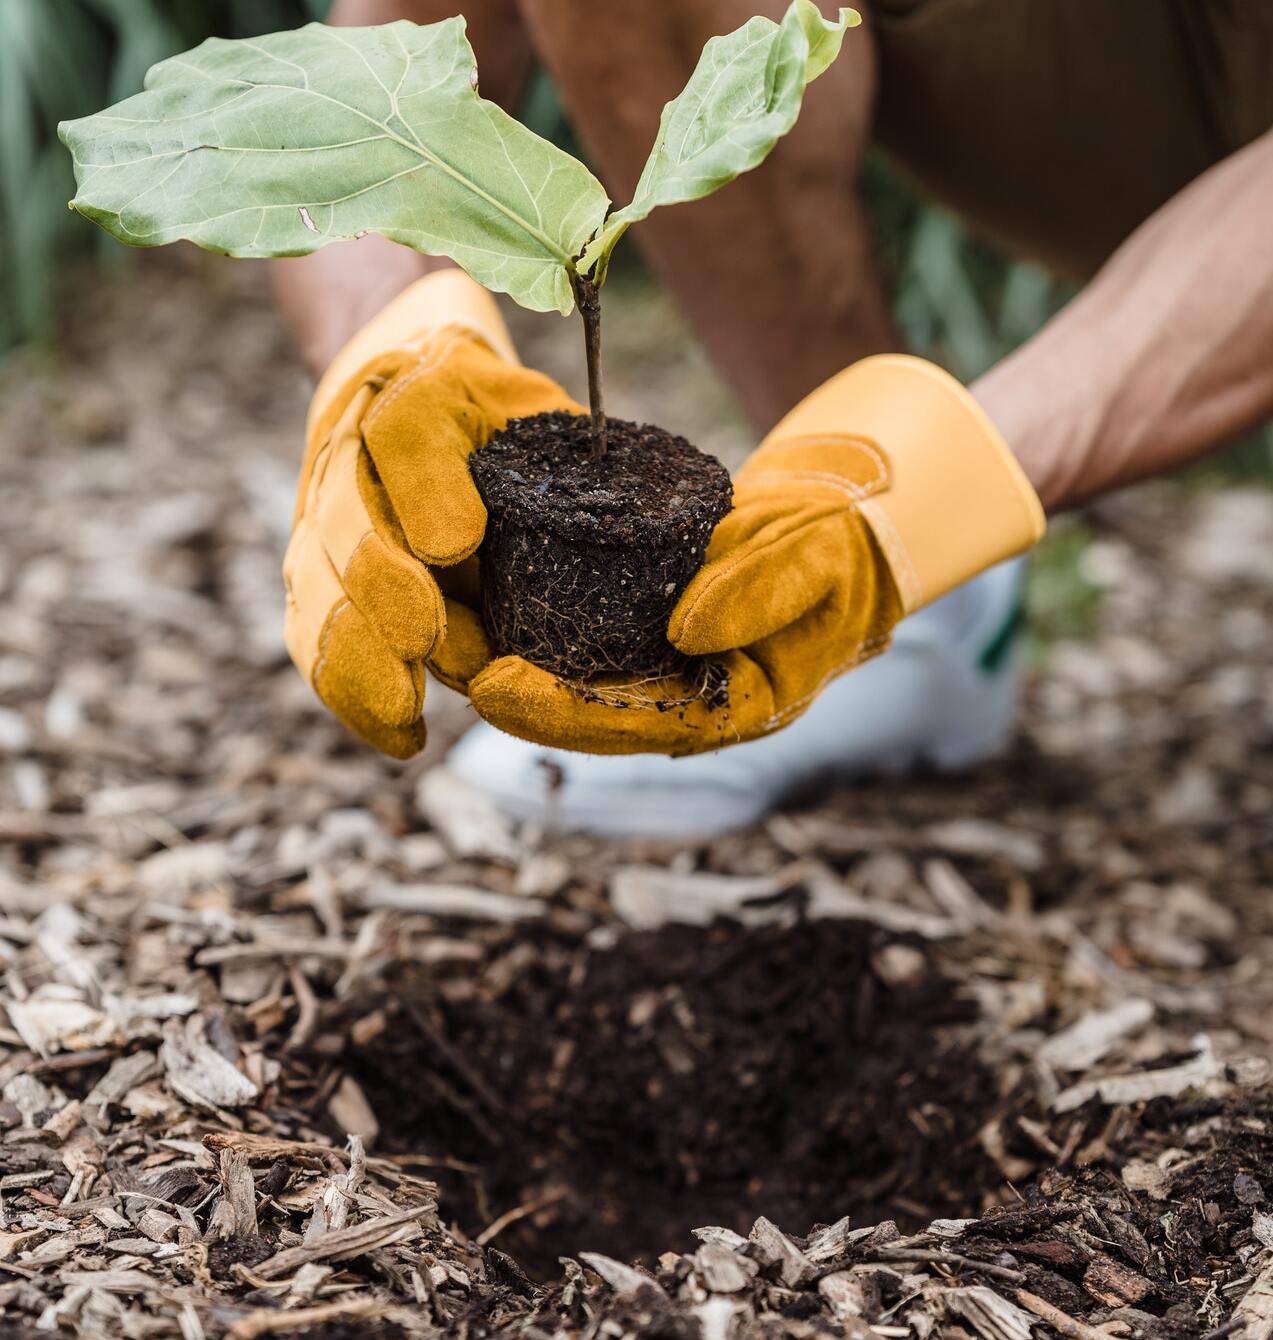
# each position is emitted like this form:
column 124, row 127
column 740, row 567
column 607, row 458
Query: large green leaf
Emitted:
column 278, row 145
column 742, row 98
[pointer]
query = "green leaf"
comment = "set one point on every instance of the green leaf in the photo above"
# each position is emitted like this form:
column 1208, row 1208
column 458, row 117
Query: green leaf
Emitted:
column 742, row 98
column 278, row 145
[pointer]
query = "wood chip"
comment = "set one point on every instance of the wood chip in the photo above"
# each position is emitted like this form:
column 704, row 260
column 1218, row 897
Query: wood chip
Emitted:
column 1141, row 1086
column 626, row 1281
column 723, row 1270
column 467, row 820
column 774, row 1249
column 269, row 1321
column 60, row 1020
column 1152, row 1178
column 344, row 1243
column 982, row 837
column 199, row 1073
column 990, row 1315
column 828, row 1243
column 715, row 1318
column 1086, row 1040
column 1254, row 1314
column 235, row 1213
column 331, row 1211
column 452, row 900
column 850, row 1293
column 350, row 1110
column 647, row 897
column 1113, row 1283
column 956, row 898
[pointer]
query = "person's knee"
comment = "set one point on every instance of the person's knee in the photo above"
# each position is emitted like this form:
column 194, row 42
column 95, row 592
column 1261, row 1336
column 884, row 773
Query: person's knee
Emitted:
column 616, row 65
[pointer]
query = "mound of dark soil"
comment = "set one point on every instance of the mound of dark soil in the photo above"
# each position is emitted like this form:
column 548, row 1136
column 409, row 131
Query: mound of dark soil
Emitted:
column 585, row 555
column 685, row 1077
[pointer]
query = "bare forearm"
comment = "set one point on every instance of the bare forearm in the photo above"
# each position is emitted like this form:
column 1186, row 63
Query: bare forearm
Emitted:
column 328, row 296
column 1167, row 354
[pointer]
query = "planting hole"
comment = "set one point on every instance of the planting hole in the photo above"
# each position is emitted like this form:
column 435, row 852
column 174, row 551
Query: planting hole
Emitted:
column 680, row 1078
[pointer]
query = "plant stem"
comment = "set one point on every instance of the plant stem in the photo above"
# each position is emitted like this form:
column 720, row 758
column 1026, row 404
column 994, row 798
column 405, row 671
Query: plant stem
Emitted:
column 588, row 298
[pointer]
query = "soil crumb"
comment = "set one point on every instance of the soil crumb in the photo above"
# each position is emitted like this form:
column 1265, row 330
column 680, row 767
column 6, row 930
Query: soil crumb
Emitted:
column 249, row 1250
column 686, row 1076
column 585, row 556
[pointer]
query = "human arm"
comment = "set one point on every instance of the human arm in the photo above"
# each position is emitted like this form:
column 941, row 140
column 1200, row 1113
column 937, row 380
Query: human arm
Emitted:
column 1166, row 355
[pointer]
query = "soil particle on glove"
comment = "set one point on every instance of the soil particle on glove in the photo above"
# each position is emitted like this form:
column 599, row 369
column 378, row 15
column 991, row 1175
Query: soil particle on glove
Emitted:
column 585, row 556
column 688, row 1076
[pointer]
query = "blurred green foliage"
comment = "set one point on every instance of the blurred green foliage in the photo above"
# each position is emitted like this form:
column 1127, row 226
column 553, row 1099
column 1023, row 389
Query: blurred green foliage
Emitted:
column 957, row 299
column 66, row 58
column 1061, row 601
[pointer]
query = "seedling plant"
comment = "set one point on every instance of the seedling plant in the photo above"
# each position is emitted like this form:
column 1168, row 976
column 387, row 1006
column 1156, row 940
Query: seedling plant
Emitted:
column 279, row 145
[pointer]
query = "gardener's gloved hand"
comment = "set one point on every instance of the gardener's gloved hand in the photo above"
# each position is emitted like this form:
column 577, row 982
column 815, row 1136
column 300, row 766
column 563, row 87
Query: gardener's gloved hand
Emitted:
column 882, row 490
column 387, row 513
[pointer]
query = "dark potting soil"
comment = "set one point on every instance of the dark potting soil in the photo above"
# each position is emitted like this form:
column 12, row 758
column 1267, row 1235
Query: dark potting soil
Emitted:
column 684, row 1077
column 585, row 556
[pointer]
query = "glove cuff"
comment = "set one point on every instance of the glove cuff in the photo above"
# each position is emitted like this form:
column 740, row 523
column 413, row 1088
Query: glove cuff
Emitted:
column 957, row 500
column 444, row 298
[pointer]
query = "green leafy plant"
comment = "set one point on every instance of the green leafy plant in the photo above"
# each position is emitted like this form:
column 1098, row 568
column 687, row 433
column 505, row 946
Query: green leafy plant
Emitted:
column 279, row 145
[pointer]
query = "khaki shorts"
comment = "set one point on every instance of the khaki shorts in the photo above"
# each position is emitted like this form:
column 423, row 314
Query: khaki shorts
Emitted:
column 1057, row 126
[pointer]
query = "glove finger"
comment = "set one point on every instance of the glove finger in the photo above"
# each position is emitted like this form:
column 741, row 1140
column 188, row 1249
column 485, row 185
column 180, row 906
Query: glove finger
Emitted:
column 465, row 651
column 669, row 716
column 365, row 548
column 397, row 596
column 503, row 391
column 765, row 583
column 359, row 676
column 401, row 742
column 420, row 433
column 322, row 632
column 425, row 424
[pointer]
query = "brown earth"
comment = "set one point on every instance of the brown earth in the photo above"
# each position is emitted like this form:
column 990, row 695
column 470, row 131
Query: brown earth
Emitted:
column 688, row 1076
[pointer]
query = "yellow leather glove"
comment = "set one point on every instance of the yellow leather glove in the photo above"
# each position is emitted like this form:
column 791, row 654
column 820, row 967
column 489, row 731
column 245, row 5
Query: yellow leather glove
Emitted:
column 882, row 490
column 387, row 513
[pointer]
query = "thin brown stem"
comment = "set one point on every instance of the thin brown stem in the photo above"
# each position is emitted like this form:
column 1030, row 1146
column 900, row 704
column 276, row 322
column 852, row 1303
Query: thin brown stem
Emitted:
column 588, row 298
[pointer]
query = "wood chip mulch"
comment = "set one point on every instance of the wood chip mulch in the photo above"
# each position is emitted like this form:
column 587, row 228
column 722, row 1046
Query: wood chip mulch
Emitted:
column 298, row 1041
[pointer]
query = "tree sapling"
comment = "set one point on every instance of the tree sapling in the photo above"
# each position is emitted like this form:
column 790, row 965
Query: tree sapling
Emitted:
column 278, row 145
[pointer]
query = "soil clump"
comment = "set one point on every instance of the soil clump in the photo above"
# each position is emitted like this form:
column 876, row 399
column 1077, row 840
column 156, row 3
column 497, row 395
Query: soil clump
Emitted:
column 586, row 555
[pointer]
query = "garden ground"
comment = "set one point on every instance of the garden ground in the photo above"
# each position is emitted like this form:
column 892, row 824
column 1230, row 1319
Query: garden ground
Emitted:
column 300, row 1038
